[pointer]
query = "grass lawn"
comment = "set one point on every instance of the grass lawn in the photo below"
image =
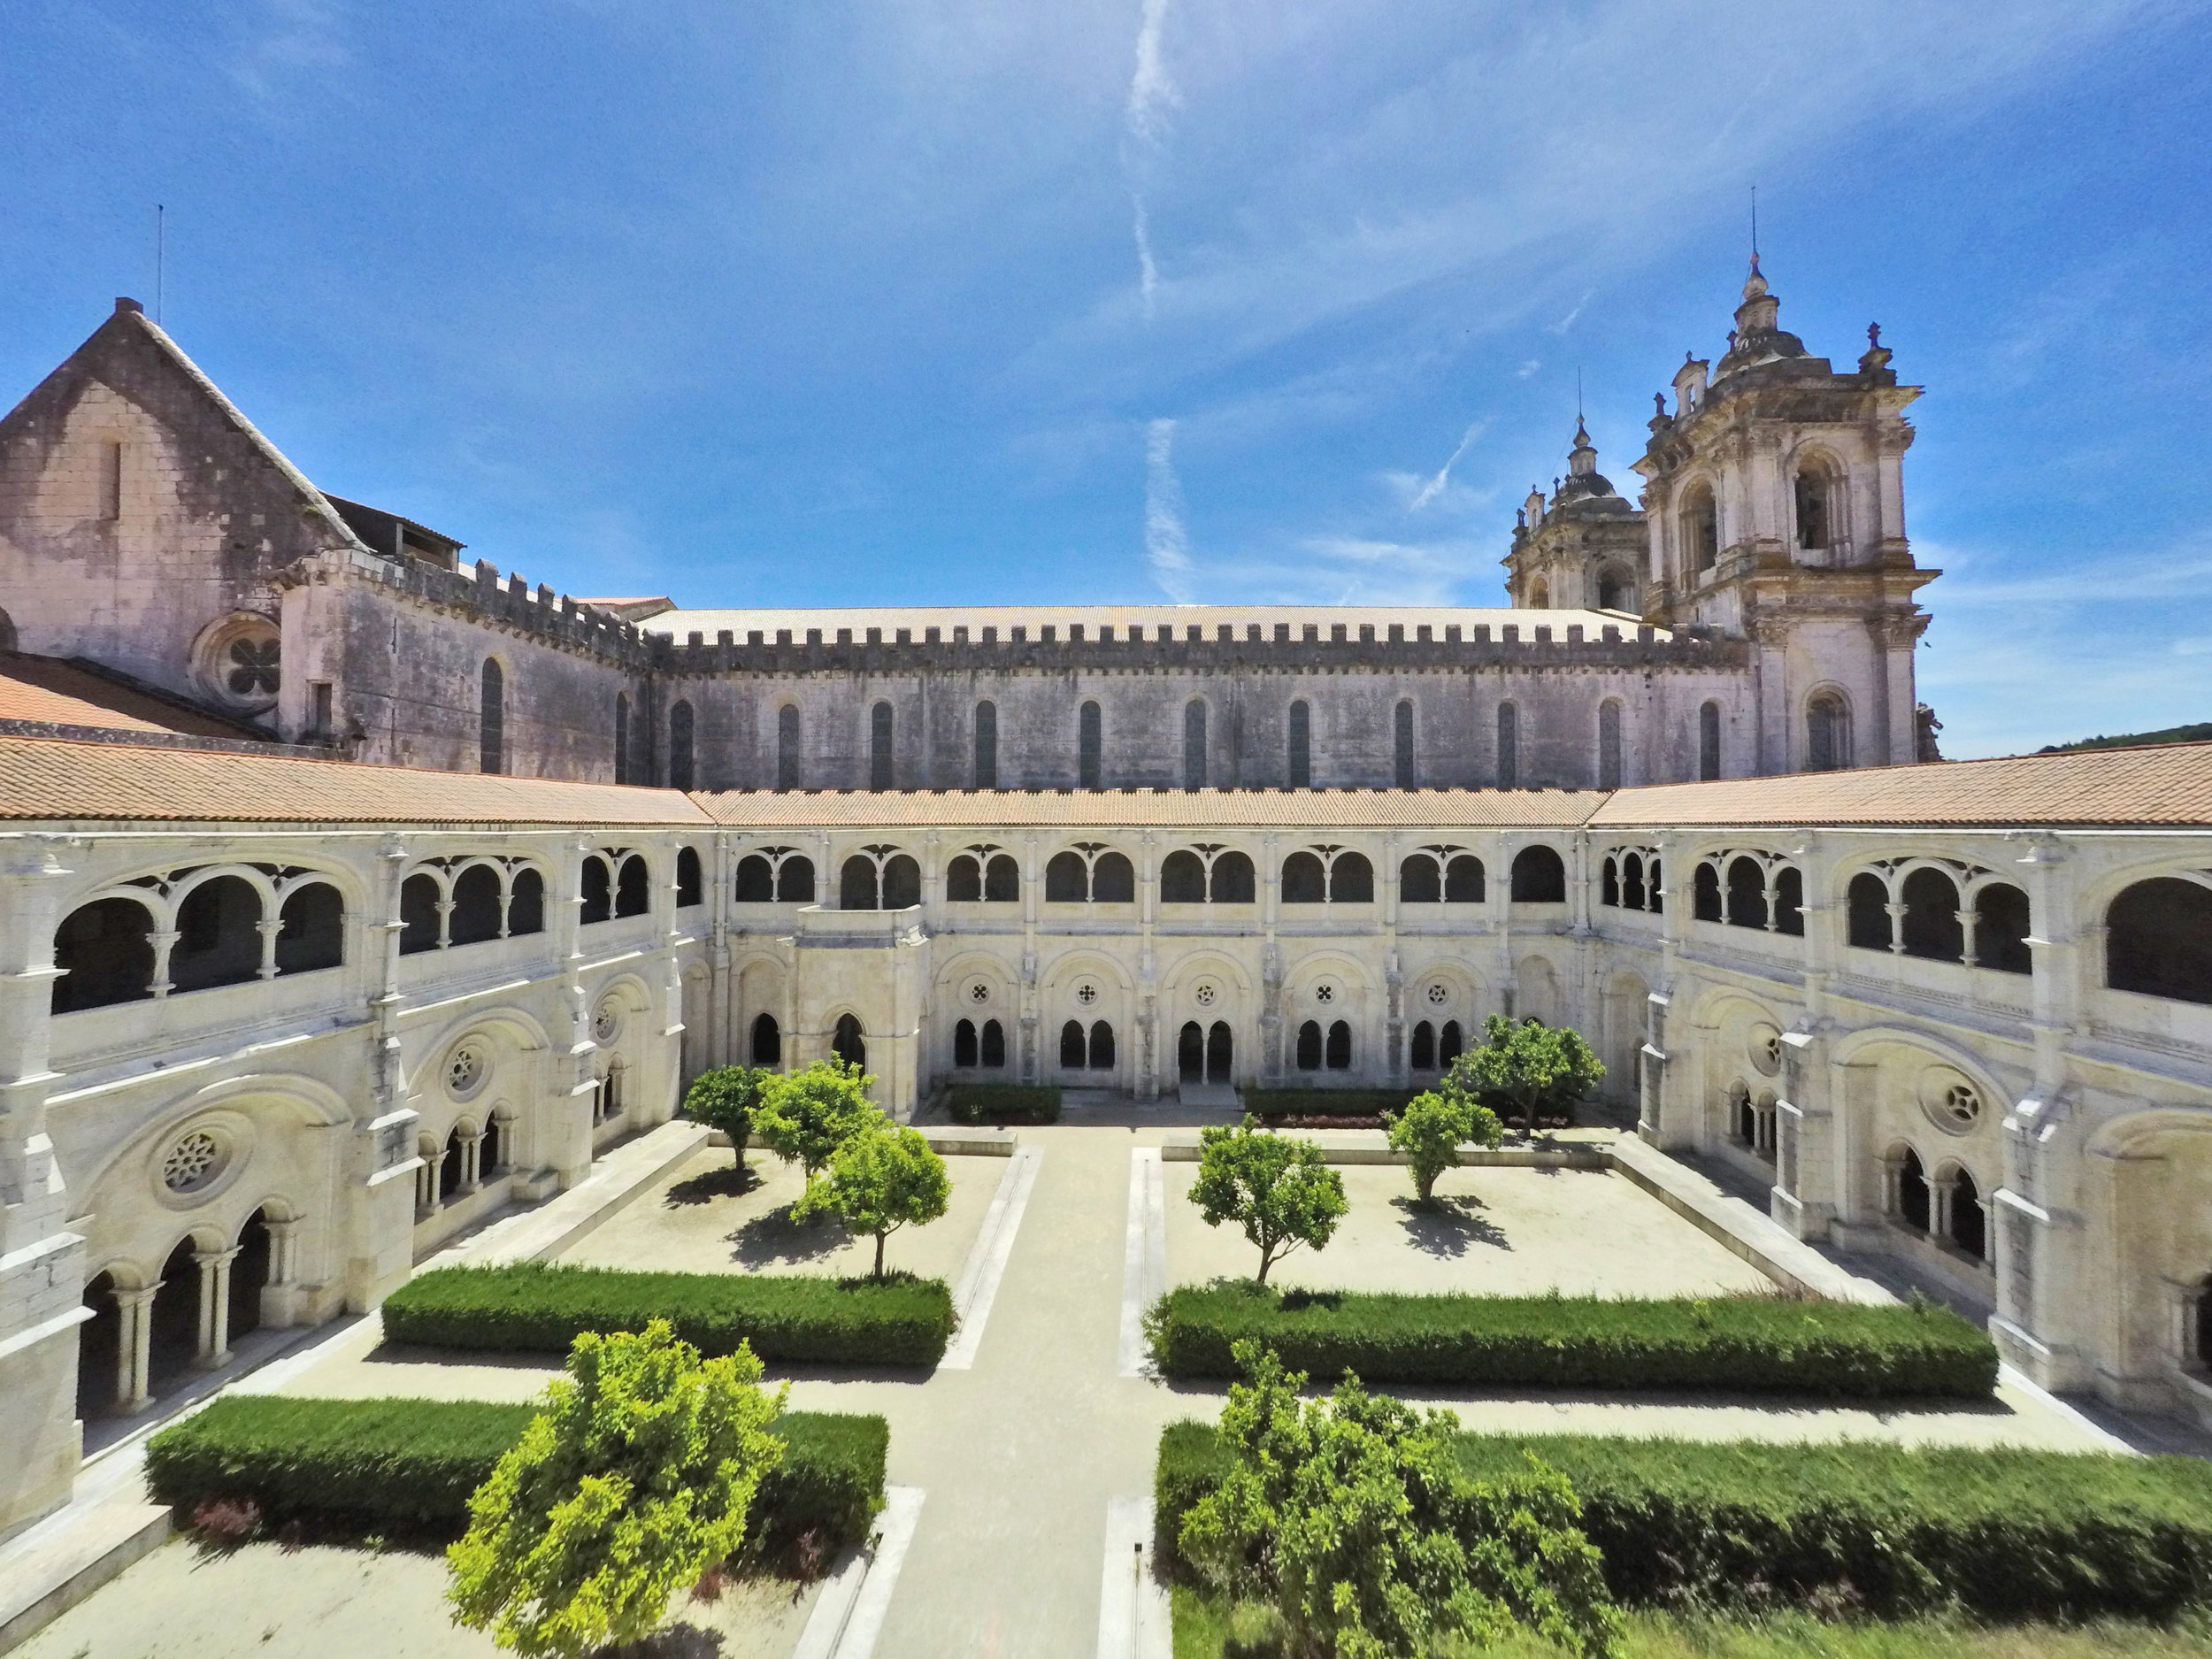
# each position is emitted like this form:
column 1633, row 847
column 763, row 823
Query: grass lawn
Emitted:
column 1204, row 1628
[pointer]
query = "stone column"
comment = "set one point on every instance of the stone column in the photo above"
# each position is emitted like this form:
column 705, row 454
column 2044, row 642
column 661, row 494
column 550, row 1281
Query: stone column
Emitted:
column 269, row 927
column 214, row 1267
column 134, row 1348
column 1148, row 1068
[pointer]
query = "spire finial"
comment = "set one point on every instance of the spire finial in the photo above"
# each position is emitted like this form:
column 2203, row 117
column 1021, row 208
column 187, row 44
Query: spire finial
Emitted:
column 1754, row 228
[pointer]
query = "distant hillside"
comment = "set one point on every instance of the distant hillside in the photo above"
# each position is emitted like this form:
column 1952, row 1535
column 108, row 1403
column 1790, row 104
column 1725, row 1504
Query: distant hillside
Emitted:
column 2199, row 733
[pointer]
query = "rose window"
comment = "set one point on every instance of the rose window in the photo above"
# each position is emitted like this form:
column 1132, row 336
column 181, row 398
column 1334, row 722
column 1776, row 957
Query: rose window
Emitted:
column 465, row 1071
column 1204, row 995
column 192, row 1163
column 252, row 670
column 1087, row 994
column 1961, row 1106
column 1325, row 993
column 606, row 1022
column 979, row 992
column 1439, row 994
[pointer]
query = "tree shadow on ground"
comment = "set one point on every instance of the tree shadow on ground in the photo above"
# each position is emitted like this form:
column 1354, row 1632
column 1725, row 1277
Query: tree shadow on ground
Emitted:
column 775, row 1238
column 673, row 1642
column 728, row 1181
column 1447, row 1225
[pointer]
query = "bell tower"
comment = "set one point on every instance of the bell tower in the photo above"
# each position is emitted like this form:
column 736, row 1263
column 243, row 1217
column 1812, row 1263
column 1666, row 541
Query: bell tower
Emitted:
column 1774, row 503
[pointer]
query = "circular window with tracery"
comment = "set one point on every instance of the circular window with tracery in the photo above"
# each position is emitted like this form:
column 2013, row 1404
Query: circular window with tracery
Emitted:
column 1766, row 1049
column 1205, row 994
column 607, row 1023
column 1324, row 993
column 1087, row 994
column 1952, row 1104
column 1438, row 995
column 240, row 660
column 465, row 1070
column 193, row 1163
column 980, row 993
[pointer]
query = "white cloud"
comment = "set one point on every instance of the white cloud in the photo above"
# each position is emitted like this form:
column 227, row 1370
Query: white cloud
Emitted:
column 1436, row 486
column 1147, row 272
column 1527, row 369
column 1151, row 94
column 1568, row 321
column 1166, row 542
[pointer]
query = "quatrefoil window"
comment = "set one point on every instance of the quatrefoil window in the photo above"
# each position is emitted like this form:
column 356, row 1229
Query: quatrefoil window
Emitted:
column 1962, row 1105
column 1087, row 994
column 979, row 992
column 253, row 670
column 1324, row 993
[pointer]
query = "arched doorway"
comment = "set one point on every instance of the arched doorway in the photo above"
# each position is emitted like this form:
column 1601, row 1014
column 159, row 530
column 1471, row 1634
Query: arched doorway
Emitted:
column 174, row 1320
column 99, row 1350
column 1190, row 1053
column 248, row 1273
column 847, row 1044
column 1220, row 1052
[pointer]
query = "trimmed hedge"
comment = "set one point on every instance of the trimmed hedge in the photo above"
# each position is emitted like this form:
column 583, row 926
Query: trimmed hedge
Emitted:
column 538, row 1307
column 1325, row 1102
column 406, row 1467
column 976, row 1104
column 2003, row 1533
column 1737, row 1343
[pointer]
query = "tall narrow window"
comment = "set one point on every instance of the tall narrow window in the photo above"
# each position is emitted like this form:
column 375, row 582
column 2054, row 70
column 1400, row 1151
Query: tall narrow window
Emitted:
column 1089, row 760
column 681, row 771
column 1812, row 510
column 1708, row 740
column 1701, row 529
column 1827, row 733
column 491, row 724
column 880, row 747
column 986, row 746
column 1301, row 746
column 112, row 479
column 1609, row 745
column 1403, row 738
column 1508, row 746
column 787, row 747
column 1195, row 744
column 621, row 737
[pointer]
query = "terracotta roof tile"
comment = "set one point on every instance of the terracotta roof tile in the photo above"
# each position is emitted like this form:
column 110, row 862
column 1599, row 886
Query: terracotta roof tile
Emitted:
column 54, row 692
column 678, row 621
column 1226, row 809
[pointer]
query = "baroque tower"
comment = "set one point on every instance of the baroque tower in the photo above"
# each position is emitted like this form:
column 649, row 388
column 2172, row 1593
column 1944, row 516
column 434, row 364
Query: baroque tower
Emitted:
column 1583, row 549
column 1774, row 503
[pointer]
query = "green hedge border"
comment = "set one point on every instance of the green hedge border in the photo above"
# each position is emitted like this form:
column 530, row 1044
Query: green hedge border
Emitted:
column 974, row 1105
column 1741, row 1344
column 1325, row 1102
column 406, row 1468
column 2006, row 1534
column 539, row 1306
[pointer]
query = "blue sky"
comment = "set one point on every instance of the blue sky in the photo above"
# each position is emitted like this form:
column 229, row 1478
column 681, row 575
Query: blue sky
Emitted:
column 1216, row 300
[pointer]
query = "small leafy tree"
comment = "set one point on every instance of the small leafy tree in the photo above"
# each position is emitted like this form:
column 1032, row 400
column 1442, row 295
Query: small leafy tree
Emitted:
column 632, row 1480
column 1431, row 1128
column 878, row 1181
column 1354, row 1518
column 808, row 1115
column 1279, row 1188
column 725, row 1099
column 1525, row 1068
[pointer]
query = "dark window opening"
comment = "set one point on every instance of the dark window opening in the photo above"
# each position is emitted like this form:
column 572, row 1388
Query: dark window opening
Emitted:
column 1424, row 1053
column 879, row 756
column 99, row 1348
column 1190, row 1053
column 598, row 891
column 106, row 955
column 1705, row 903
column 767, row 1040
column 1002, row 881
column 964, row 880
column 1309, row 1045
column 1463, row 879
column 964, row 1055
column 1609, row 884
column 691, row 887
column 1102, row 1046
column 250, row 1275
column 1182, row 879
column 756, row 881
column 1088, row 747
column 1304, row 881
column 1067, row 880
column 1609, row 745
column 1812, row 511
column 1789, row 903
column 1340, row 1056
column 526, row 903
column 1301, row 746
column 795, row 880
column 1970, row 1224
column 858, row 889
column 1708, row 740
column 219, row 936
column 787, row 770
column 1220, row 1050
column 1827, row 735
column 1508, row 746
column 621, row 737
column 1072, row 1046
column 311, row 932
column 1449, row 1045
column 1867, row 912
column 2158, row 940
column 173, row 1321
column 986, row 746
column 994, row 1045
column 1932, row 928
column 633, row 892
column 847, row 1043
column 1351, row 879
column 1701, row 530
column 1746, row 894
column 1912, row 1191
column 491, row 718
column 1402, row 744
column 1420, row 881
column 417, row 915
column 2000, row 929
column 1113, row 879
column 1194, row 745
column 1632, row 882
column 1539, row 877
column 1234, row 880
column 475, row 916
column 902, row 882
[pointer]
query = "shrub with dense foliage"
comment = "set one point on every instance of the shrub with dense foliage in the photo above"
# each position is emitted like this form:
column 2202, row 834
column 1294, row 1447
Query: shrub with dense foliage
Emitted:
column 538, row 1307
column 1431, row 1130
column 1354, row 1518
column 1278, row 1188
column 1763, row 1344
column 1268, row 1104
column 976, row 1104
column 725, row 1098
column 635, row 1477
column 806, row 1115
column 1525, row 1070
column 883, row 1178
column 406, row 1468
column 1999, row 1533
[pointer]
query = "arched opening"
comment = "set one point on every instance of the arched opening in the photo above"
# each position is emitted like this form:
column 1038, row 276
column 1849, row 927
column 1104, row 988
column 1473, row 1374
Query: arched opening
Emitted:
column 173, row 1320
column 755, row 881
column 1540, row 595
column 1827, row 732
column 691, row 887
column 1616, row 590
column 1866, row 910
column 964, row 880
column 1912, row 1191
column 1067, row 878
column 1340, row 1049
column 902, row 882
column 682, row 770
column 1708, row 740
column 1190, row 1052
column 1071, row 1047
column 1002, row 881
column 1705, row 902
column 1089, row 750
column 1632, row 882
column 497, row 1156
column 795, row 880
column 1309, row 1045
column 1195, row 744
column 1113, row 879
column 1182, row 879
column 491, row 718
column 612, row 1096
column 787, row 767
column 1422, row 1057
column 526, row 903
column 1816, row 527
column 598, row 892
column 1463, row 879
column 1701, row 528
column 1301, row 764
column 994, row 1045
column 1220, row 1052
column 1969, row 1225
column 249, row 1274
column 311, row 929
column 633, row 888
column 2158, row 940
column 2000, row 929
column 1420, row 881
column 1449, row 1045
column 857, row 885
column 621, row 737
column 1609, row 884
column 1932, row 917
column 1234, row 879
column 879, row 756
column 1351, row 879
column 100, row 1350
column 418, row 919
column 1401, row 744
column 105, row 954
column 986, row 745
column 1609, row 745
column 1746, row 894
column 1508, row 746
column 1102, row 1046
column 475, row 915
column 964, row 1045
column 847, row 1043
column 219, row 936
column 767, row 1040
column 453, row 1164
column 1789, row 903
column 1539, row 877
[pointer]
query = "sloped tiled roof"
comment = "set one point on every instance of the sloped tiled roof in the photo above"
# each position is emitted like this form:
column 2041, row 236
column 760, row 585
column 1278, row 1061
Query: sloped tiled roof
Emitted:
column 679, row 622
column 53, row 779
column 55, row 692
column 1223, row 808
column 2162, row 784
